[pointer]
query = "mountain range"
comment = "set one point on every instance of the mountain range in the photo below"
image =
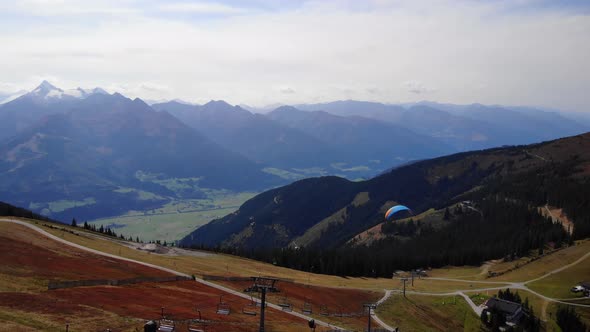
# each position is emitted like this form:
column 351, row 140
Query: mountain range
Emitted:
column 291, row 139
column 102, row 154
column 464, row 127
column 90, row 154
column 252, row 135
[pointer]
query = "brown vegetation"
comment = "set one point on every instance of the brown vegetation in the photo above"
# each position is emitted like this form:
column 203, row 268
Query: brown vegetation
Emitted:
column 26, row 255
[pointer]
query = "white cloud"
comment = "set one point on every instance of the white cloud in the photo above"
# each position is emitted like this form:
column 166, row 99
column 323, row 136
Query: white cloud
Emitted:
column 148, row 90
column 287, row 90
column 417, row 87
column 69, row 7
column 201, row 8
column 7, row 88
column 466, row 51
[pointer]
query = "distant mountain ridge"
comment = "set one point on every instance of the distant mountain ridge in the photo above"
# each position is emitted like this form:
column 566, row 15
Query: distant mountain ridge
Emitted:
column 289, row 138
column 465, row 127
column 369, row 139
column 252, row 135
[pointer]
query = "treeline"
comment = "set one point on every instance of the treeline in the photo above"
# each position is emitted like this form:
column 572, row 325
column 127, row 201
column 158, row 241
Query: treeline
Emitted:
column 109, row 232
column 565, row 185
column 104, row 230
column 569, row 320
column 10, row 210
column 504, row 228
column 13, row 211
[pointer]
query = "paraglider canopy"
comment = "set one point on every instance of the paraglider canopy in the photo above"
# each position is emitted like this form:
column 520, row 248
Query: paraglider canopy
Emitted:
column 395, row 209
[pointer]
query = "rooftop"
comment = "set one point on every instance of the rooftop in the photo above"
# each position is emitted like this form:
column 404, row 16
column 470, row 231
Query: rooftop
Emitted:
column 503, row 305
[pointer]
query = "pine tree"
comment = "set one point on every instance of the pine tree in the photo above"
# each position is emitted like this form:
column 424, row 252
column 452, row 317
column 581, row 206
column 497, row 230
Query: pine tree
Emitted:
column 484, row 317
column 517, row 298
column 447, row 215
column 74, row 222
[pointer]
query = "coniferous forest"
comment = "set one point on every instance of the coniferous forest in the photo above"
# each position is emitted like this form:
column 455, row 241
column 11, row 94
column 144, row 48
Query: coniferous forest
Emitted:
column 470, row 239
column 505, row 223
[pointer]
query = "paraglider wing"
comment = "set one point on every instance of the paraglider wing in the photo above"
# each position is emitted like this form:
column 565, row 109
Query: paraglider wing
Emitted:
column 395, row 210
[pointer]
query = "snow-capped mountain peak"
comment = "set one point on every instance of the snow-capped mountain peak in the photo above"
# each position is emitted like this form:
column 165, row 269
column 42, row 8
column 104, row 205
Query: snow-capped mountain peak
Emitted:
column 99, row 91
column 48, row 91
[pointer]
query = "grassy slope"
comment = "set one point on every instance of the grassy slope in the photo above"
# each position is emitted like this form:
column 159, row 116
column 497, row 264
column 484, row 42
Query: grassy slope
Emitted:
column 347, row 301
column 218, row 264
column 41, row 310
column 22, row 321
column 429, row 313
column 558, row 285
column 224, row 265
column 526, row 272
column 548, row 263
column 315, row 232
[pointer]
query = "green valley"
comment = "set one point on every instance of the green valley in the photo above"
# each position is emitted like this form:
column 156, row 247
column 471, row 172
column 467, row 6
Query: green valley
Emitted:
column 176, row 218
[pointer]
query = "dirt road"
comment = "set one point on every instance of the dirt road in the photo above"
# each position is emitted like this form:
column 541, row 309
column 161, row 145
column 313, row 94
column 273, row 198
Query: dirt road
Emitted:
column 210, row 284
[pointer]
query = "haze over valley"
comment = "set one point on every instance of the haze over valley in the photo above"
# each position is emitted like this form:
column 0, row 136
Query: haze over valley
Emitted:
column 294, row 165
column 88, row 154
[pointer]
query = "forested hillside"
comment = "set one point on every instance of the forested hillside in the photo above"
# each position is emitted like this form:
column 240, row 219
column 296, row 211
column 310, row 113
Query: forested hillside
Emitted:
column 13, row 211
column 506, row 187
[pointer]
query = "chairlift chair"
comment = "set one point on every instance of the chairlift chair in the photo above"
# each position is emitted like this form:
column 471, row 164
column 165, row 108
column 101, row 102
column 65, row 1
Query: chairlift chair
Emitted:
column 285, row 304
column 306, row 307
column 197, row 325
column 195, row 329
column 223, row 308
column 166, row 325
column 250, row 308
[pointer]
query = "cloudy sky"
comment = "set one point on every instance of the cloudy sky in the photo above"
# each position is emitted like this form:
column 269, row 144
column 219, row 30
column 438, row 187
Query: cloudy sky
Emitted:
column 258, row 52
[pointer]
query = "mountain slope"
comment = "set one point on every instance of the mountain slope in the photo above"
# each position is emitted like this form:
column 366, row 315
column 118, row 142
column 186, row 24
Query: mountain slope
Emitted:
column 428, row 184
column 268, row 220
column 252, row 135
column 44, row 100
column 291, row 139
column 368, row 139
column 104, row 149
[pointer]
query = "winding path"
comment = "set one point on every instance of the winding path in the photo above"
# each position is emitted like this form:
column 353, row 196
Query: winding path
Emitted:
column 478, row 309
column 374, row 315
column 388, row 293
column 204, row 282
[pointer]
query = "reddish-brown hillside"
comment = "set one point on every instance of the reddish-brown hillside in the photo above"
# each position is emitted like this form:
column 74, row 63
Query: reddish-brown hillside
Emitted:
column 30, row 260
